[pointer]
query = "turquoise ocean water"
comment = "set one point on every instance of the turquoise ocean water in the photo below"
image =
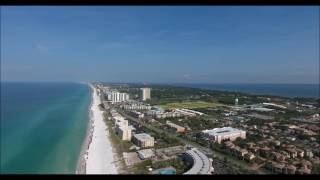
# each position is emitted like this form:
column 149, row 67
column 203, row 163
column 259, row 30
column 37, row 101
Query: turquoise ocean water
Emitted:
column 43, row 126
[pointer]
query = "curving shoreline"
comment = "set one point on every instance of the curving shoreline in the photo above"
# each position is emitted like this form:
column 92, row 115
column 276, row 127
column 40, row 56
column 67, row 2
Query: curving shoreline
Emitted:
column 97, row 155
column 81, row 165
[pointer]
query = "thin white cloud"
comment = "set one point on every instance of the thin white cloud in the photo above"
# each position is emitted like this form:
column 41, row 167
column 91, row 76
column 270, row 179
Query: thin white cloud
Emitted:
column 42, row 48
column 187, row 76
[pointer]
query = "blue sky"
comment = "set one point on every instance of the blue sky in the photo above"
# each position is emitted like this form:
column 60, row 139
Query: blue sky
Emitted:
column 160, row 44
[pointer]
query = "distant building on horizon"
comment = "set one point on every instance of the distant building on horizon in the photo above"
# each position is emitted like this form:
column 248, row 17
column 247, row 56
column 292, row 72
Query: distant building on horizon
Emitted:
column 236, row 101
column 146, row 93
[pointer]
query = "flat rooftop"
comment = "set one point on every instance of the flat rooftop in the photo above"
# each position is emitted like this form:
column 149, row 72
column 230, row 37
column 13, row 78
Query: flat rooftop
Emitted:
column 145, row 153
column 143, row 136
column 261, row 116
column 222, row 131
column 201, row 165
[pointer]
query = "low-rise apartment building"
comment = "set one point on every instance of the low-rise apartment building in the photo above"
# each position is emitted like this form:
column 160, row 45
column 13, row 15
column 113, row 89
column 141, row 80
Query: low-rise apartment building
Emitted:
column 143, row 140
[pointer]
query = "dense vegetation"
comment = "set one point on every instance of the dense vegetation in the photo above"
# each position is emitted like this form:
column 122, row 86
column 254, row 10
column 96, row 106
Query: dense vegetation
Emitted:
column 177, row 163
column 189, row 105
column 164, row 94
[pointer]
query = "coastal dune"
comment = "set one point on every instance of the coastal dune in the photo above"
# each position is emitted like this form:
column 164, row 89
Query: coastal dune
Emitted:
column 99, row 157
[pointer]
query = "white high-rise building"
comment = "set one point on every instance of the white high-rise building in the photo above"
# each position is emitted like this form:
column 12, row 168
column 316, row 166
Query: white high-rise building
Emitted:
column 108, row 96
column 146, row 93
column 117, row 96
column 123, row 130
column 236, row 101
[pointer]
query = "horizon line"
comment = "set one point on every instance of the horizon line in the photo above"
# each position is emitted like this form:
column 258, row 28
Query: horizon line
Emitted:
column 141, row 82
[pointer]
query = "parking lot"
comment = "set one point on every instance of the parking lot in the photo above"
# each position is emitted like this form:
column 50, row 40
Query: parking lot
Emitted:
column 131, row 158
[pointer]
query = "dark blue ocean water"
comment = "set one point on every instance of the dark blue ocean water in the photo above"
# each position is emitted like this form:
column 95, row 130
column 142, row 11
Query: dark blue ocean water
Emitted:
column 43, row 126
column 286, row 90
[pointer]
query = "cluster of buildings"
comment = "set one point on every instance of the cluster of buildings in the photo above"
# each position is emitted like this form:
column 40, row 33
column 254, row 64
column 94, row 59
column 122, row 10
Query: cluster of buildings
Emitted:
column 308, row 130
column 135, row 106
column 200, row 163
column 122, row 128
column 161, row 114
column 229, row 113
column 125, row 132
column 241, row 153
column 314, row 118
column 136, row 114
column 277, row 157
column 269, row 144
column 115, row 96
column 281, row 148
column 291, row 148
column 261, row 107
column 223, row 134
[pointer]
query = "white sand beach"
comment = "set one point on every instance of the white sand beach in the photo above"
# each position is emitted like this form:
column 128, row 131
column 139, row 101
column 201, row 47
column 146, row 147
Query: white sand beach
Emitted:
column 100, row 157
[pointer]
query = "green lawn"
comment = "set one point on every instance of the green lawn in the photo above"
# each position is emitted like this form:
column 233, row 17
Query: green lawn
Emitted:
column 189, row 104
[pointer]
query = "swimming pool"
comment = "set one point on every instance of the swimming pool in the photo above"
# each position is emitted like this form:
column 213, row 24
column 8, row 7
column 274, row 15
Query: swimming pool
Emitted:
column 165, row 171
